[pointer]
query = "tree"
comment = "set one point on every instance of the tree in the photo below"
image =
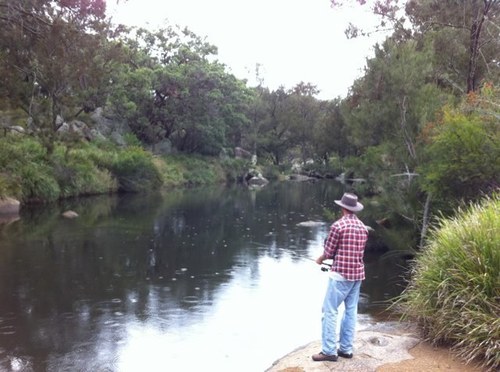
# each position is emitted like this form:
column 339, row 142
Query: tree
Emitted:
column 275, row 135
column 394, row 99
column 474, row 23
column 172, row 90
column 303, row 116
column 329, row 136
column 55, row 60
column 471, row 27
column 463, row 154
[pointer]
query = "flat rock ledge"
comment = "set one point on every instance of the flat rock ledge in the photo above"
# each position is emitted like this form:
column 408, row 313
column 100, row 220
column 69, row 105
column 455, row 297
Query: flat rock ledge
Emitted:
column 376, row 345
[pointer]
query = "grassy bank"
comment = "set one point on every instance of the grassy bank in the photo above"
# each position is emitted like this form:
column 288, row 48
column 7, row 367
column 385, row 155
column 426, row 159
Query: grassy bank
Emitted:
column 29, row 174
column 455, row 288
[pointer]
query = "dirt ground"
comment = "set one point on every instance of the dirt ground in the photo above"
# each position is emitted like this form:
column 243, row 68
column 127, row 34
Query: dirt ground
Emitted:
column 430, row 359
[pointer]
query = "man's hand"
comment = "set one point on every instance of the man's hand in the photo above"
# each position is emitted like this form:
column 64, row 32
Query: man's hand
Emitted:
column 320, row 259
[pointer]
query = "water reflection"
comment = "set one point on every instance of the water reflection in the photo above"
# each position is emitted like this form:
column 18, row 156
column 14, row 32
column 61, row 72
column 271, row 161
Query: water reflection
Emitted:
column 181, row 281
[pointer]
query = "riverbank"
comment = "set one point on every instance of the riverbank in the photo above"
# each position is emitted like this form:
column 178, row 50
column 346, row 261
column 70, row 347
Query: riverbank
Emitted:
column 382, row 347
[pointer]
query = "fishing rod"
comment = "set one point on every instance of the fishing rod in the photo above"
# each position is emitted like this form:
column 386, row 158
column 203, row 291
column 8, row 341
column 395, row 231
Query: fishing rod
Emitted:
column 325, row 266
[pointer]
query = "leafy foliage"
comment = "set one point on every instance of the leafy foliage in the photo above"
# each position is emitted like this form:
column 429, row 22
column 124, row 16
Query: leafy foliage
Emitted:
column 55, row 60
column 172, row 91
column 463, row 155
column 135, row 170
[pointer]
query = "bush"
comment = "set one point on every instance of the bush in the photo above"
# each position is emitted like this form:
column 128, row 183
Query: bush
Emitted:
column 135, row 171
column 77, row 174
column 235, row 169
column 192, row 170
column 10, row 186
column 455, row 287
column 463, row 158
column 38, row 183
column 24, row 170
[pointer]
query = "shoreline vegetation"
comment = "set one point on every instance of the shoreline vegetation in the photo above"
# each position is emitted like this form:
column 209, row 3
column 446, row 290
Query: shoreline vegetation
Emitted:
column 81, row 99
column 30, row 175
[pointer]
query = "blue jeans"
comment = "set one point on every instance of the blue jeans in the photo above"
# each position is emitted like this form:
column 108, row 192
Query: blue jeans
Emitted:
column 336, row 293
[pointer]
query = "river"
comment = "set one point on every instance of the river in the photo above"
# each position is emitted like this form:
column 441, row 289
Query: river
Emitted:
column 218, row 279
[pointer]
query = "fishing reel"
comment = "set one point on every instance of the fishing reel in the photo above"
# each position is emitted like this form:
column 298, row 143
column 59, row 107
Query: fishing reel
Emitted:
column 326, row 265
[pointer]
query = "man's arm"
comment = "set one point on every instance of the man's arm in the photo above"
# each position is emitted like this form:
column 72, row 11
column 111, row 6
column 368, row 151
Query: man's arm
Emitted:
column 330, row 246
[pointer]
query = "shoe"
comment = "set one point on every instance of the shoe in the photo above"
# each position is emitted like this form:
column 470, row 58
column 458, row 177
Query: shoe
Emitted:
column 324, row 358
column 344, row 355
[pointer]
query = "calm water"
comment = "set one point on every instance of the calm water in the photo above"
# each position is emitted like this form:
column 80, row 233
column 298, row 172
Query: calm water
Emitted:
column 193, row 280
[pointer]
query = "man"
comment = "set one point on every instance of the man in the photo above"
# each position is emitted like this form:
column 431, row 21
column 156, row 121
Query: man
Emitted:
column 345, row 244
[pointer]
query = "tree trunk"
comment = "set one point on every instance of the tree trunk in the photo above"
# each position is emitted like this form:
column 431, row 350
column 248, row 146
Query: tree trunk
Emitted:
column 479, row 15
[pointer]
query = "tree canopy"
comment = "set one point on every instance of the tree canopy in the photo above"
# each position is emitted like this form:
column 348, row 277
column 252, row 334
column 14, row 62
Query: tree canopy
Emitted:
column 408, row 114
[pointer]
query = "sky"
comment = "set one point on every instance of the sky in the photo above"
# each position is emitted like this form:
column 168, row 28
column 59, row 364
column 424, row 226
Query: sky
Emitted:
column 292, row 40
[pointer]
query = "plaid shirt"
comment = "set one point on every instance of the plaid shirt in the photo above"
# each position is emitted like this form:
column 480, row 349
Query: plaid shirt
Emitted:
column 346, row 244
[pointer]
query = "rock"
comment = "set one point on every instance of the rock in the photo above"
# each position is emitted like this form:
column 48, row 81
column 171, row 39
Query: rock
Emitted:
column 107, row 126
column 242, row 153
column 9, row 206
column 70, row 214
column 299, row 177
column 75, row 129
column 384, row 222
column 8, row 219
column 374, row 346
column 311, row 223
column 257, row 181
column 16, row 129
column 163, row 147
column 379, row 341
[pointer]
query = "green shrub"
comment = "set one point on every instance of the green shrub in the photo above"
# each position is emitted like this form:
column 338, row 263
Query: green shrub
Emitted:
column 182, row 170
column 271, row 172
column 25, row 173
column 171, row 171
column 135, row 171
column 462, row 159
column 38, row 183
column 454, row 292
column 77, row 174
column 235, row 168
column 10, row 186
column 16, row 151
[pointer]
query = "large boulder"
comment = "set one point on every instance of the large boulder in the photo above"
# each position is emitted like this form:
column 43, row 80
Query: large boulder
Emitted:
column 107, row 126
column 9, row 206
column 241, row 153
column 257, row 181
column 9, row 210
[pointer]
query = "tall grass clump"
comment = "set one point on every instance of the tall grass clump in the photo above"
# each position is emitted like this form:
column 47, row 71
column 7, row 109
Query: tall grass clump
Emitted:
column 77, row 173
column 183, row 170
column 454, row 292
column 135, row 170
column 23, row 160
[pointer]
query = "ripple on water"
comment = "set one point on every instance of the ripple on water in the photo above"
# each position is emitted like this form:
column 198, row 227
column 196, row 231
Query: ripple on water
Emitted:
column 191, row 300
column 68, row 315
column 7, row 330
column 106, row 306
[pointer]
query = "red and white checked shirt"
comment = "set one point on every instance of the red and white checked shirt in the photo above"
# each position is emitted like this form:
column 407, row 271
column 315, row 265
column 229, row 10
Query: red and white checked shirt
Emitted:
column 346, row 244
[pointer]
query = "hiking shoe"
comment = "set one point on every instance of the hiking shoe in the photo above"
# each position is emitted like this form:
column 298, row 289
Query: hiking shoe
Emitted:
column 324, row 358
column 344, row 355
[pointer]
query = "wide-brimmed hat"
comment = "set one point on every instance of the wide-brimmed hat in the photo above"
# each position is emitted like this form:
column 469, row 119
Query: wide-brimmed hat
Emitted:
column 350, row 202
